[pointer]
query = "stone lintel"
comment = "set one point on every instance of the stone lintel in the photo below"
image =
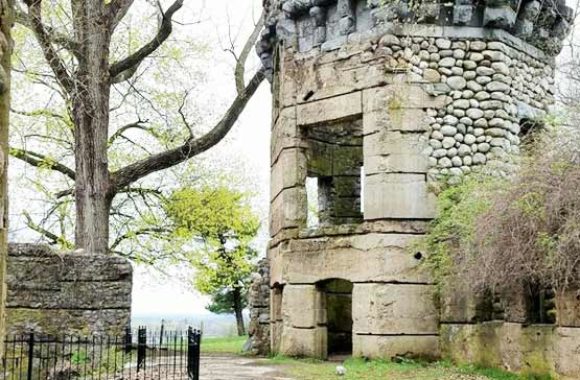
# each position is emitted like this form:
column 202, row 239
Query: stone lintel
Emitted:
column 359, row 258
column 330, row 109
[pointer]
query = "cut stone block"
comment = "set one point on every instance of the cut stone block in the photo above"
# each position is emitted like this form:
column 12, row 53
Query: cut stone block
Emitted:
column 288, row 210
column 399, row 196
column 329, row 110
column 304, row 342
column 400, row 96
column 357, row 258
column 395, row 152
column 388, row 347
column 378, row 118
column 394, row 309
column 288, row 171
column 303, row 306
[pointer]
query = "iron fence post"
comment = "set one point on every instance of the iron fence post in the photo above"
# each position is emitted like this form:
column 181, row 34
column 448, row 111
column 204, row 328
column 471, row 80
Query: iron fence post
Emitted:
column 128, row 341
column 193, row 351
column 142, row 348
column 30, row 356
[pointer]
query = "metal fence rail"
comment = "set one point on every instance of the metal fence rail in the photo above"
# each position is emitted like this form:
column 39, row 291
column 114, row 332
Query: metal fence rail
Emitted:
column 169, row 355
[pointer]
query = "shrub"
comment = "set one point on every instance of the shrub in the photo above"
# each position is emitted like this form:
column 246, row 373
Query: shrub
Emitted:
column 498, row 234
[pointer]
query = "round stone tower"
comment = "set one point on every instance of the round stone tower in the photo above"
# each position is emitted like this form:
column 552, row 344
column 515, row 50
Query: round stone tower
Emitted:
column 373, row 99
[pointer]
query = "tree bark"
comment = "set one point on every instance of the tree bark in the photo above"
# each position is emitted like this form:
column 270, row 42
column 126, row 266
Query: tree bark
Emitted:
column 6, row 21
column 90, row 103
column 238, row 310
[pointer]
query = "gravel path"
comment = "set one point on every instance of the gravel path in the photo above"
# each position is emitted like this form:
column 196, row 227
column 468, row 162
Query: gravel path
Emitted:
column 239, row 368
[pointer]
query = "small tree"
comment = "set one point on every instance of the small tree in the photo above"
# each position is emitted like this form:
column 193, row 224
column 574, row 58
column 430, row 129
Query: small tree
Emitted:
column 219, row 226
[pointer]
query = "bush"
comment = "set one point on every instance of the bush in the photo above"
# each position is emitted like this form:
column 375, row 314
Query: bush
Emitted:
column 498, row 234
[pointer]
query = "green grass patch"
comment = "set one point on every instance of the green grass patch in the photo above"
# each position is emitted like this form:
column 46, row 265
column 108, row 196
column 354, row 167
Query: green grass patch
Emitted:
column 361, row 369
column 226, row 345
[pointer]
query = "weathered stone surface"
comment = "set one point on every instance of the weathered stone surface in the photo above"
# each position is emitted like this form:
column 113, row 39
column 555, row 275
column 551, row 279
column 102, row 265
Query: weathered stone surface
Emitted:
column 388, row 347
column 302, row 306
column 394, row 309
column 539, row 349
column 395, row 152
column 404, row 196
column 259, row 307
column 288, row 171
column 288, row 210
column 358, row 258
column 285, row 133
column 66, row 292
column 568, row 309
column 329, row 110
column 304, row 342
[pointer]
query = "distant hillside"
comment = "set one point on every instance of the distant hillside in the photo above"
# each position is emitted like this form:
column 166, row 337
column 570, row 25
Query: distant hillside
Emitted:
column 211, row 324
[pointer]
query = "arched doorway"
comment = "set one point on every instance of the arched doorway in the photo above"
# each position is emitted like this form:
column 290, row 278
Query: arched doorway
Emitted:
column 337, row 298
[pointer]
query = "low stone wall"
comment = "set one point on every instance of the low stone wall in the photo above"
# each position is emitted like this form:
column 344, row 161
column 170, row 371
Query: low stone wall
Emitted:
column 533, row 349
column 58, row 293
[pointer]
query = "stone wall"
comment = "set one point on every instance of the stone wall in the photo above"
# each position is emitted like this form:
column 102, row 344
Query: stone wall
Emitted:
column 57, row 293
column 259, row 306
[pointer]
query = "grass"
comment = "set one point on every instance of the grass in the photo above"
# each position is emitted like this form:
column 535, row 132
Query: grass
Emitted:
column 227, row 345
column 360, row 369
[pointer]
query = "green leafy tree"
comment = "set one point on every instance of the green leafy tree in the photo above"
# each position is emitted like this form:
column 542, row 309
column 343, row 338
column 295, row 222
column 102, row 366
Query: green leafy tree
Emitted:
column 219, row 226
column 105, row 97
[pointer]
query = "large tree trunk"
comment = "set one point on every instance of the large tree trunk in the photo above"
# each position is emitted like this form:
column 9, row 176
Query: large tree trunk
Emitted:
column 93, row 189
column 238, row 309
column 6, row 21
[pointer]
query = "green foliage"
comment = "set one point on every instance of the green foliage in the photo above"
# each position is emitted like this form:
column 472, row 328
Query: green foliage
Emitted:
column 223, row 302
column 221, row 225
column 454, row 228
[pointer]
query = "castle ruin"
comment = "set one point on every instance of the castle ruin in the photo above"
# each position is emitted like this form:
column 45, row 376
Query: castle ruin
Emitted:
column 373, row 102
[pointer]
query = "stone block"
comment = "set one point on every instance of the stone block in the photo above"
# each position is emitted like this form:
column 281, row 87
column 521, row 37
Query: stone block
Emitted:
column 568, row 309
column 304, row 342
column 358, row 258
column 457, row 305
column 288, row 171
column 567, row 353
column 499, row 17
column 288, row 210
column 398, row 196
column 387, row 347
column 399, row 96
column 394, row 309
column 285, row 133
column 58, row 322
column 328, row 110
column 395, row 152
column 379, row 118
column 303, row 306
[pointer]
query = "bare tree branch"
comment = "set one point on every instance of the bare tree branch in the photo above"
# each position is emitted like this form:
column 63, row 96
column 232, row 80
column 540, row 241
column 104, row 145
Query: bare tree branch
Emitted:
column 24, row 19
column 117, row 10
column 131, row 173
column 43, row 38
column 41, row 161
column 130, row 63
column 243, row 58
column 125, row 128
column 53, row 238
column 144, row 231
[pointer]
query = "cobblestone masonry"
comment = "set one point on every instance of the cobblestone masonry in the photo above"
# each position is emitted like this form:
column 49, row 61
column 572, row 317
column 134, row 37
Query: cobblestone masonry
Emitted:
column 58, row 293
column 373, row 101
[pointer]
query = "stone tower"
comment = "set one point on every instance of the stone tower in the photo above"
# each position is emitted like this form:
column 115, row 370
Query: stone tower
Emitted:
column 373, row 100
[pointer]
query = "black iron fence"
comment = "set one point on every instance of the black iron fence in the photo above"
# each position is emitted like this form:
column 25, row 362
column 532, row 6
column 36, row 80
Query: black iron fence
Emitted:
column 141, row 354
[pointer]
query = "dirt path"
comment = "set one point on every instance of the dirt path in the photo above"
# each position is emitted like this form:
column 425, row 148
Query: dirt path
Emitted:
column 239, row 368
